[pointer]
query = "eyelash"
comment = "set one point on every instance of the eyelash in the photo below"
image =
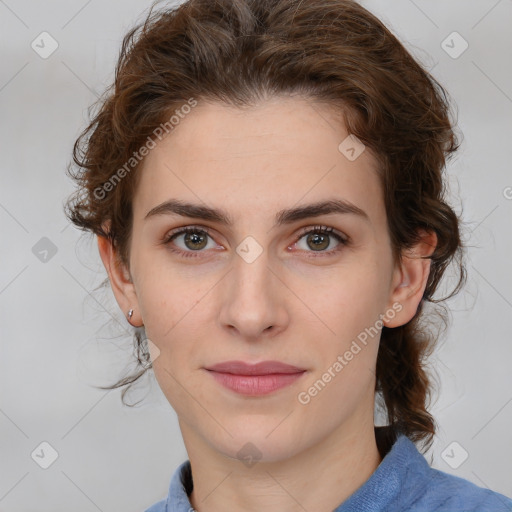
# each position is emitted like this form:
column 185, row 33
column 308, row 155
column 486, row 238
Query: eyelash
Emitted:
column 323, row 230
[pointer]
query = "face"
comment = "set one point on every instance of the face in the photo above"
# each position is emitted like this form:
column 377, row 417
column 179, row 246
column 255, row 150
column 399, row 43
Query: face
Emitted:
column 260, row 285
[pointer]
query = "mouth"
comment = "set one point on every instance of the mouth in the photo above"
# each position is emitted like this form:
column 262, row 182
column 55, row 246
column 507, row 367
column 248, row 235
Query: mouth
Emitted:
column 255, row 379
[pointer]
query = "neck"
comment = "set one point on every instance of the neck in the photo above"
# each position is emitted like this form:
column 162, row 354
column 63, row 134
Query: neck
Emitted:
column 319, row 478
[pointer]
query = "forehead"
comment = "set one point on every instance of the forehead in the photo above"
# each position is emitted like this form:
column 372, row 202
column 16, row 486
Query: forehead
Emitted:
column 258, row 160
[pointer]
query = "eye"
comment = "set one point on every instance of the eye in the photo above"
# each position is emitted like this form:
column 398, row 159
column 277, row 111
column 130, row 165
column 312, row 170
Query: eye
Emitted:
column 194, row 240
column 319, row 238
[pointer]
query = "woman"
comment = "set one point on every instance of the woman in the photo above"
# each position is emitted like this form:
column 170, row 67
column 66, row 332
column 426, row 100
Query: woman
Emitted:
column 266, row 183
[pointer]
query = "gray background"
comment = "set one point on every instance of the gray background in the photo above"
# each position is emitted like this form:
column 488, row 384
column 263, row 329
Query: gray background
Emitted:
column 57, row 339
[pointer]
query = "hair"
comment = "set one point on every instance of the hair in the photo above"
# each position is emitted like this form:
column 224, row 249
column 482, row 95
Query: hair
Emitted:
column 240, row 52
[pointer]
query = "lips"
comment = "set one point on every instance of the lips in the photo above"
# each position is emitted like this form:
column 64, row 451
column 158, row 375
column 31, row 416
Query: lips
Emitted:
column 263, row 368
column 255, row 379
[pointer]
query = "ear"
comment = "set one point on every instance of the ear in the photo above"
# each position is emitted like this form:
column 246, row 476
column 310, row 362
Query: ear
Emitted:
column 120, row 281
column 410, row 279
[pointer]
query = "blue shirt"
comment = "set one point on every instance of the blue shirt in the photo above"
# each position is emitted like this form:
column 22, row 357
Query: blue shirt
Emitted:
column 403, row 481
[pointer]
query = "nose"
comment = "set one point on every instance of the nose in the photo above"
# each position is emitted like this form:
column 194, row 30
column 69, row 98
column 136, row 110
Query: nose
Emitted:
column 255, row 299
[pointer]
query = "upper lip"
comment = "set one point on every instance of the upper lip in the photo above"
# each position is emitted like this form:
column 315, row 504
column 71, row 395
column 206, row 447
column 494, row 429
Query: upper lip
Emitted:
column 263, row 368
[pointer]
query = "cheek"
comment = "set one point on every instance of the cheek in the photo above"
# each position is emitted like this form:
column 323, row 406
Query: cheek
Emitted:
column 166, row 299
column 348, row 299
column 345, row 359
column 349, row 316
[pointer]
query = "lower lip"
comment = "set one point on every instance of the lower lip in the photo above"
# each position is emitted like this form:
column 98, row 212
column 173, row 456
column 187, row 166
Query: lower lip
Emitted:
column 255, row 385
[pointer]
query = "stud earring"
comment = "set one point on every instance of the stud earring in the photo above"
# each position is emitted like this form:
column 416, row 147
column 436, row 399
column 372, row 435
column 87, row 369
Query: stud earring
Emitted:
column 130, row 314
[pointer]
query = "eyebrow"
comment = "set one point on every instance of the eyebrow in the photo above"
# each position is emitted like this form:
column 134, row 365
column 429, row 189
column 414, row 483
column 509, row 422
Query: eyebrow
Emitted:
column 287, row 216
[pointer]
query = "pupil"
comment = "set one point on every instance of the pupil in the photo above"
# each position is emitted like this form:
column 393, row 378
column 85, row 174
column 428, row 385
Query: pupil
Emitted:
column 316, row 237
column 195, row 239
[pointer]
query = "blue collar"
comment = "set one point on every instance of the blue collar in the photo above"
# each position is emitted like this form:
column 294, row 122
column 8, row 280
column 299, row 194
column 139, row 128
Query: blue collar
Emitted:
column 402, row 464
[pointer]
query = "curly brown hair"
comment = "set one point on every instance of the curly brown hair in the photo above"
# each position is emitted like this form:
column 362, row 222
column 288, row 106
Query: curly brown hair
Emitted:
column 334, row 51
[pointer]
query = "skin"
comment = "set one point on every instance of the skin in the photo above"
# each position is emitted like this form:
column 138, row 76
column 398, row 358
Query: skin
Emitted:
column 293, row 303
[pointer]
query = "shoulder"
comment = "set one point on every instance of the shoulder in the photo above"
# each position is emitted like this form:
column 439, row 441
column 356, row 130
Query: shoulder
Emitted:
column 434, row 490
column 405, row 482
column 179, row 489
column 446, row 492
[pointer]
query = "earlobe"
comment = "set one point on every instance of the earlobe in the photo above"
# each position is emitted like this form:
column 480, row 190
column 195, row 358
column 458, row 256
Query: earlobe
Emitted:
column 120, row 281
column 410, row 279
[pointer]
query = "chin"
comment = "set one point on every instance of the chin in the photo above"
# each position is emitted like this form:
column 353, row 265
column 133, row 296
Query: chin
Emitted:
column 261, row 442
